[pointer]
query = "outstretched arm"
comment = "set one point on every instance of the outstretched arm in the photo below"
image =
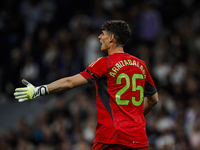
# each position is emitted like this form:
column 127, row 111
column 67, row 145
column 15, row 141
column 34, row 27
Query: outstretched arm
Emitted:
column 149, row 103
column 58, row 86
column 65, row 84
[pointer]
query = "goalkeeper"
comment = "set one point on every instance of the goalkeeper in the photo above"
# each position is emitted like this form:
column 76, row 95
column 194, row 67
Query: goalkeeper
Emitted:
column 121, row 81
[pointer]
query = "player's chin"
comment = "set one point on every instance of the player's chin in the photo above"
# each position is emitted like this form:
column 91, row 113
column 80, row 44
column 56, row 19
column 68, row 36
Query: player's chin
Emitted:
column 104, row 49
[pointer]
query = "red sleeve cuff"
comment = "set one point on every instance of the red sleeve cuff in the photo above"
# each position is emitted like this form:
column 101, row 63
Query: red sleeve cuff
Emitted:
column 88, row 77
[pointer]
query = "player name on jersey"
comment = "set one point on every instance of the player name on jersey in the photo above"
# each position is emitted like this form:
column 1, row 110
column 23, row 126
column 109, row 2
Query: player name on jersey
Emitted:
column 122, row 63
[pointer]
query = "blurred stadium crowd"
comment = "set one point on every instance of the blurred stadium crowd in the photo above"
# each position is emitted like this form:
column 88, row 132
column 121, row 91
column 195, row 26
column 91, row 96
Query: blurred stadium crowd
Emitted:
column 44, row 40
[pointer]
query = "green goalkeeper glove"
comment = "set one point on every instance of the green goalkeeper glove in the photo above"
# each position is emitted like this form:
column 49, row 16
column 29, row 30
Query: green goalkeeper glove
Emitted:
column 30, row 92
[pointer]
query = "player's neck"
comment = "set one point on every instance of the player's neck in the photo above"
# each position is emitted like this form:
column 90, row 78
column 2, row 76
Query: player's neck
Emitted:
column 115, row 49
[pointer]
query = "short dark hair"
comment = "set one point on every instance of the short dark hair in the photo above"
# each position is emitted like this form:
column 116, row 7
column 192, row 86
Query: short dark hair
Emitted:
column 120, row 29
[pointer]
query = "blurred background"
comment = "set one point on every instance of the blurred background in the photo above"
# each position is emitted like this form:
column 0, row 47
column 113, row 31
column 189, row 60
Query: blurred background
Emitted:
column 44, row 40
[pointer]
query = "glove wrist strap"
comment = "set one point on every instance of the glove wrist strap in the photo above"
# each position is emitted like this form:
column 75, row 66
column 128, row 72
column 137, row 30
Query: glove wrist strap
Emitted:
column 43, row 90
column 40, row 91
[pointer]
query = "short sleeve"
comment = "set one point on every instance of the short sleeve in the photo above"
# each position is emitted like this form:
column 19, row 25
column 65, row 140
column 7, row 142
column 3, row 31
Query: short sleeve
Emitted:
column 150, row 88
column 95, row 70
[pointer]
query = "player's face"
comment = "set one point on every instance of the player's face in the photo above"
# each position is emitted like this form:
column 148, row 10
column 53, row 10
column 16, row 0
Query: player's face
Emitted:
column 105, row 41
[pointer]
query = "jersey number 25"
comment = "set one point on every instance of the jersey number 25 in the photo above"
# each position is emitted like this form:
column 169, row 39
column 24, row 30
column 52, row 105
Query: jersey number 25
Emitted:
column 127, row 86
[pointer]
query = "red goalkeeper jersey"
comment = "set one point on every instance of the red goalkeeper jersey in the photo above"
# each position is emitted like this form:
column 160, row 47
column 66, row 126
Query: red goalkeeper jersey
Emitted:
column 121, row 82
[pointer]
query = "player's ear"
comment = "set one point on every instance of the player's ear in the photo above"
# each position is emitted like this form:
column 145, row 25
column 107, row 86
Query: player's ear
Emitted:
column 112, row 37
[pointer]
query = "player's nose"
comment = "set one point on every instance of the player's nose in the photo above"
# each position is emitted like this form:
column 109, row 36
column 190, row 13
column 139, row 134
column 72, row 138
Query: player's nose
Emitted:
column 99, row 37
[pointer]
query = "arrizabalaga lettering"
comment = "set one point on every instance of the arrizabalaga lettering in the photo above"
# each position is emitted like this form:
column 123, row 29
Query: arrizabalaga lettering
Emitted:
column 123, row 63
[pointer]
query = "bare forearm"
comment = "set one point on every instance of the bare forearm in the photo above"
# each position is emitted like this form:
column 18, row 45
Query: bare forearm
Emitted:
column 148, row 107
column 149, row 103
column 59, row 86
column 65, row 84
